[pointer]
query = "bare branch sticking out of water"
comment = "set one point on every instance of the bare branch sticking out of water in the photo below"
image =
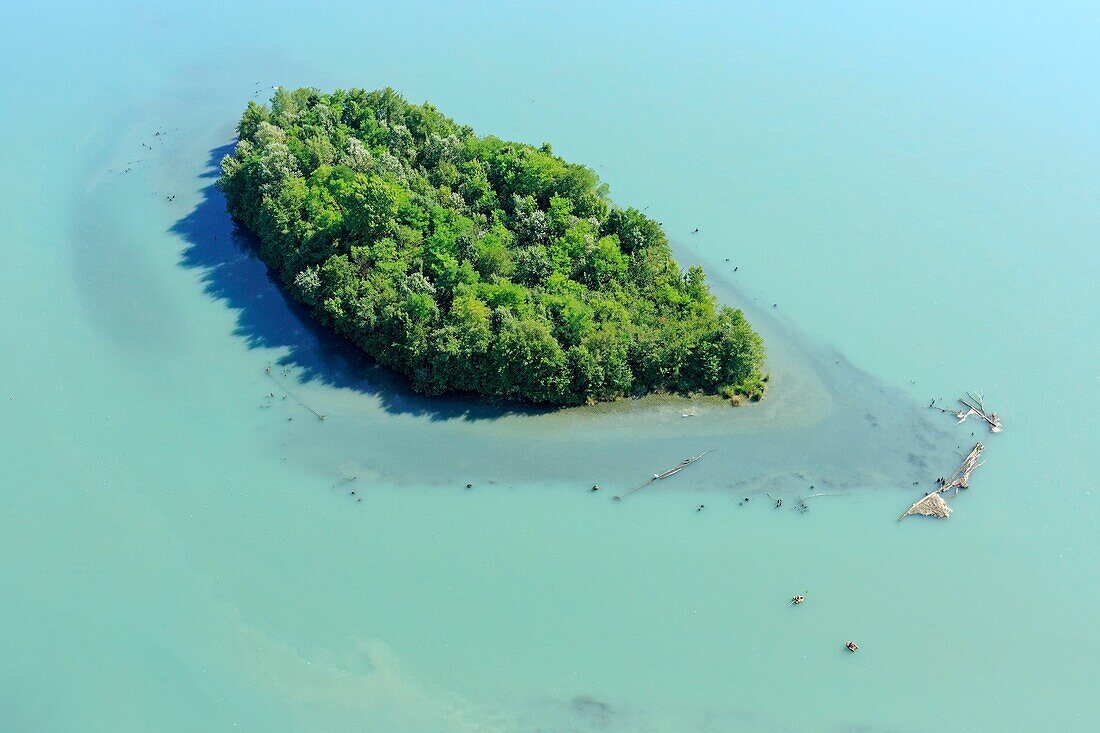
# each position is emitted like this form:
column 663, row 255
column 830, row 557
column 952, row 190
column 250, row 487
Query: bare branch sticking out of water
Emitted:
column 990, row 417
column 975, row 405
column 664, row 474
column 960, row 479
column 267, row 371
column 933, row 504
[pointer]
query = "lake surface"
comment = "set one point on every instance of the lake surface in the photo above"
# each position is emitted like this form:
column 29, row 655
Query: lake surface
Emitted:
column 910, row 202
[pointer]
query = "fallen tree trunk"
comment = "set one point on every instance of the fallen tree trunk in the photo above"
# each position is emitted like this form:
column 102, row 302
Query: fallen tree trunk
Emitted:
column 961, row 478
column 663, row 475
column 933, row 504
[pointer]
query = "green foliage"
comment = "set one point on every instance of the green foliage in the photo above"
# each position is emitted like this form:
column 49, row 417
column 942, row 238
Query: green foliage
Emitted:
column 473, row 264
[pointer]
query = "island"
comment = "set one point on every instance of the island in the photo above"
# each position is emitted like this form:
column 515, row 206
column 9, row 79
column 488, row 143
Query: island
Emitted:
column 471, row 264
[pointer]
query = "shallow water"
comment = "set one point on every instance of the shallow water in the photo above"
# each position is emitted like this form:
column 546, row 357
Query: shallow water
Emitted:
column 915, row 193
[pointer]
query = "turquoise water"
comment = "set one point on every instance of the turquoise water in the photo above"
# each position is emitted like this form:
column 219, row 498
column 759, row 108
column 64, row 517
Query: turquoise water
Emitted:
column 916, row 193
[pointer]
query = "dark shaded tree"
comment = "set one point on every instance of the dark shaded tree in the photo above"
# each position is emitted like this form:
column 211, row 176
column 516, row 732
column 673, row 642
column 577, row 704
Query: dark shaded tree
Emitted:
column 474, row 264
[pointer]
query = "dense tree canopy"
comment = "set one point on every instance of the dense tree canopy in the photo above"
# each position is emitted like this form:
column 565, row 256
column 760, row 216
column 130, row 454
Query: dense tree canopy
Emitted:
column 473, row 264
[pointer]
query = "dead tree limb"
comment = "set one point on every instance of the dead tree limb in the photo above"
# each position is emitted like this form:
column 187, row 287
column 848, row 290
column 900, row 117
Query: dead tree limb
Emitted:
column 975, row 405
column 267, row 370
column 663, row 475
column 990, row 417
column 960, row 479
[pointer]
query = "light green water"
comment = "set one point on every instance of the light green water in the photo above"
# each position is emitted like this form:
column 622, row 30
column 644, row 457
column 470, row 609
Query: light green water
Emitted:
column 916, row 192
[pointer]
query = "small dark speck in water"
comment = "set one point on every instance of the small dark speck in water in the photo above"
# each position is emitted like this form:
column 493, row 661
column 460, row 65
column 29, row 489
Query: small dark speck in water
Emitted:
column 700, row 508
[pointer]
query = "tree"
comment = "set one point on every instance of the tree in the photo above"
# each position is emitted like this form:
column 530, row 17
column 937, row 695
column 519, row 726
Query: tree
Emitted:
column 471, row 263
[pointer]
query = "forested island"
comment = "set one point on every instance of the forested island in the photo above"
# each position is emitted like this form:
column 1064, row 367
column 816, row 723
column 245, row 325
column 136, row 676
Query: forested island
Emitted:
column 473, row 264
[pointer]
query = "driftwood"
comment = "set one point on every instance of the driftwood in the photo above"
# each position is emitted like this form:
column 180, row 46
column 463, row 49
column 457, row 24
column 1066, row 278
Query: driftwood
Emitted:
column 801, row 506
column 961, row 478
column 664, row 474
column 932, row 505
column 975, row 405
column 979, row 410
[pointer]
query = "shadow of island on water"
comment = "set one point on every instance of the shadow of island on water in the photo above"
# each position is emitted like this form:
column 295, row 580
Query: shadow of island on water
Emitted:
column 269, row 318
